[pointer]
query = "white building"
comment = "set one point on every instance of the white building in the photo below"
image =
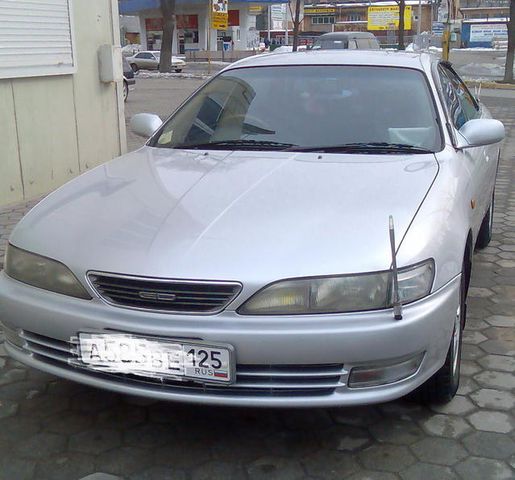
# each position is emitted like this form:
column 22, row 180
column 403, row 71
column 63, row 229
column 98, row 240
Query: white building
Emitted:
column 60, row 113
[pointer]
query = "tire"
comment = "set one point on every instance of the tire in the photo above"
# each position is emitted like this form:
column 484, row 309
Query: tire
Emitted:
column 178, row 70
column 125, row 91
column 485, row 232
column 443, row 385
column 134, row 67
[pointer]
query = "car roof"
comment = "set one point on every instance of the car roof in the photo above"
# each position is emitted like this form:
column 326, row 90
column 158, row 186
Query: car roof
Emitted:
column 345, row 35
column 415, row 60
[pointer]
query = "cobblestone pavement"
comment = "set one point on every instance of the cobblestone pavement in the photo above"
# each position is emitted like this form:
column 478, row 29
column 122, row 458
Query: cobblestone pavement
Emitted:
column 55, row 429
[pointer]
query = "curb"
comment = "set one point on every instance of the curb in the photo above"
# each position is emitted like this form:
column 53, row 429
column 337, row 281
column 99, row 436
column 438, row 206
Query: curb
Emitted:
column 490, row 84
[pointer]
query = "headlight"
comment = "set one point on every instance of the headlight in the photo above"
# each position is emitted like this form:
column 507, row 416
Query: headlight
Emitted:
column 338, row 294
column 42, row 272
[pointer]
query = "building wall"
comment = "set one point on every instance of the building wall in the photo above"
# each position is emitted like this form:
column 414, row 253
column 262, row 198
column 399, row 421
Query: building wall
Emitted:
column 55, row 127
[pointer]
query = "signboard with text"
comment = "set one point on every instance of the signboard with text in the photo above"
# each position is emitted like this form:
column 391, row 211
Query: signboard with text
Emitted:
column 319, row 10
column 486, row 33
column 383, row 18
column 220, row 14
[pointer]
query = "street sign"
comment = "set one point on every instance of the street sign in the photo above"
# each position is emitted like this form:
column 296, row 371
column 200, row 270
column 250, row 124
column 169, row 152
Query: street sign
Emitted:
column 220, row 14
column 438, row 28
column 381, row 18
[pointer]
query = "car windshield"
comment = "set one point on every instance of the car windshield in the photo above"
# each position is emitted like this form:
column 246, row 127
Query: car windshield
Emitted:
column 307, row 107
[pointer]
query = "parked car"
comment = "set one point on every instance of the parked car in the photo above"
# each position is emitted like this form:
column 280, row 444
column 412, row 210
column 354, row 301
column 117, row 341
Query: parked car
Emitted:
column 347, row 40
column 131, row 49
column 242, row 258
column 289, row 48
column 128, row 78
column 150, row 61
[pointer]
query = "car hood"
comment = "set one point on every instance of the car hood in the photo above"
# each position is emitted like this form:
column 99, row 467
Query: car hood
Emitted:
column 247, row 216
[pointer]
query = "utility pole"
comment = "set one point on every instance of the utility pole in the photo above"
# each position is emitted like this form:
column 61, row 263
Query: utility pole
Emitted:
column 419, row 16
column 446, row 37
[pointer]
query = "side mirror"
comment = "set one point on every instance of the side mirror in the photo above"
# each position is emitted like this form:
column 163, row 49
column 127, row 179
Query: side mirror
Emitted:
column 145, row 124
column 479, row 132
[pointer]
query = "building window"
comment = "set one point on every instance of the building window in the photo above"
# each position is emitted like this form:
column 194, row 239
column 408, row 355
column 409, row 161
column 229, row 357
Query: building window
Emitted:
column 37, row 38
column 322, row 20
column 354, row 17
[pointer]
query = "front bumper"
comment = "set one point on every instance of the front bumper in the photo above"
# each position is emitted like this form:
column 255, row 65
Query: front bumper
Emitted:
column 315, row 352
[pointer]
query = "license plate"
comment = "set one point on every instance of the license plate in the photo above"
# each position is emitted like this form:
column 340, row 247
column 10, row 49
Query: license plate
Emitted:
column 156, row 357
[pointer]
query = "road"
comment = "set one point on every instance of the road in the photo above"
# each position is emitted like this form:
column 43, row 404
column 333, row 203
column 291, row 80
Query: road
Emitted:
column 55, row 429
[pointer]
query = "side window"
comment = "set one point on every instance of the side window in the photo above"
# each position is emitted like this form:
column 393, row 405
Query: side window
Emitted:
column 460, row 102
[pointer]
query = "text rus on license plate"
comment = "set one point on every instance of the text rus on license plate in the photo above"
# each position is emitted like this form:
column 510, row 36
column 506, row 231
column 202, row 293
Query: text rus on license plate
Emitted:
column 156, row 357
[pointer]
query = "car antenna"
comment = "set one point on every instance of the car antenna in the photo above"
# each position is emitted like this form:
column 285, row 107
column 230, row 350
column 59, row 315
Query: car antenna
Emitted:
column 397, row 305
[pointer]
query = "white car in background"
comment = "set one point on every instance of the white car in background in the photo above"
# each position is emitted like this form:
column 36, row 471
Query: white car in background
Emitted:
column 149, row 60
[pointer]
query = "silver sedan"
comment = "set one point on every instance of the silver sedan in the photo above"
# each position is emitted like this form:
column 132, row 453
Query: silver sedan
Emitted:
column 149, row 60
column 299, row 233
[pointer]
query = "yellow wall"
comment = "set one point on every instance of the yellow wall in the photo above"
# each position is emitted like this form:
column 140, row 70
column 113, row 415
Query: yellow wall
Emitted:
column 53, row 128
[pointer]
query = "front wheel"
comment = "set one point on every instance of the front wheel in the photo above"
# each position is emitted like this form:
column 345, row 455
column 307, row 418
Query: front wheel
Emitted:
column 485, row 232
column 134, row 67
column 178, row 70
column 443, row 385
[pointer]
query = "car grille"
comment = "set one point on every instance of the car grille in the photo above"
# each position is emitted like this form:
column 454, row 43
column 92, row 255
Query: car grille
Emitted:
column 182, row 296
column 251, row 380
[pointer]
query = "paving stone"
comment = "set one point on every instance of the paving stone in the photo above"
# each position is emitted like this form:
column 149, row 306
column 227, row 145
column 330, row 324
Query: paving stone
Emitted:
column 12, row 468
column 446, row 426
column 329, row 465
column 388, row 458
column 275, row 468
column 501, row 321
column 95, row 441
column 121, row 416
column 459, row 405
column 371, row 475
column 160, row 473
column 181, row 455
column 498, row 362
column 93, row 400
column 475, row 468
column 427, row 471
column 471, row 352
column 403, row 410
column 216, row 470
column 493, row 399
column 42, row 406
column 12, row 376
column 65, row 466
column 298, row 420
column 489, row 444
column 355, row 416
column 7, row 408
column 40, row 446
column 149, row 435
column 473, row 337
column 491, row 378
column 398, row 432
column 66, row 423
column 124, row 461
column 441, row 451
column 289, row 443
column 467, row 385
column 492, row 421
column 15, row 430
column 346, row 439
column 469, row 367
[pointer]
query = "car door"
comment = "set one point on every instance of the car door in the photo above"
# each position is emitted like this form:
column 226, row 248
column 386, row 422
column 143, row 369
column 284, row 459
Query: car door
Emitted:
column 479, row 162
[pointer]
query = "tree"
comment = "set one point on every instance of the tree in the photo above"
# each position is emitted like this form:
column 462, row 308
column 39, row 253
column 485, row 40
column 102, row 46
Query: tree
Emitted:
column 508, row 69
column 402, row 7
column 296, row 25
column 168, row 12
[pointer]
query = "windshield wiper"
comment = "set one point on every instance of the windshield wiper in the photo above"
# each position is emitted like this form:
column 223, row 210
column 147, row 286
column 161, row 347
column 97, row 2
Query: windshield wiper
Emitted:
column 242, row 144
column 363, row 147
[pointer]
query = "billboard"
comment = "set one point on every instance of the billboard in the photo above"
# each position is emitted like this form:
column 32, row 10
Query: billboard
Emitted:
column 220, row 14
column 487, row 32
column 387, row 18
